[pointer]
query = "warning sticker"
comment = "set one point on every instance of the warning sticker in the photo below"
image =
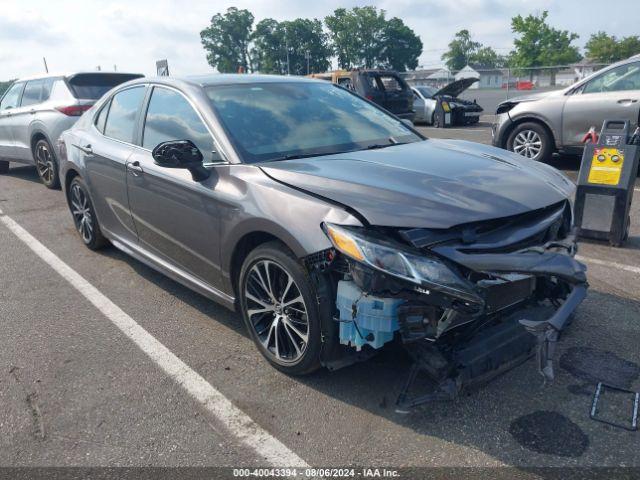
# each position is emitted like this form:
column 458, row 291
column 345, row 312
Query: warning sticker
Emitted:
column 606, row 166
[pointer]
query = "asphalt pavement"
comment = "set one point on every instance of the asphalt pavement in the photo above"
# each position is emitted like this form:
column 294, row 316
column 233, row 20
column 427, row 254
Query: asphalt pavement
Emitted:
column 79, row 389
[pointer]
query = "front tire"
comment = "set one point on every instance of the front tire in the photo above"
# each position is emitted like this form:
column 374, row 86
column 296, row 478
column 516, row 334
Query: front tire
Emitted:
column 46, row 164
column 84, row 215
column 4, row 166
column 280, row 309
column 531, row 140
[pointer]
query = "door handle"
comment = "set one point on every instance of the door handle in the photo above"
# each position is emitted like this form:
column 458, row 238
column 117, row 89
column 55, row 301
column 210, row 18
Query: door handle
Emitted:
column 86, row 149
column 627, row 100
column 135, row 168
column 32, row 111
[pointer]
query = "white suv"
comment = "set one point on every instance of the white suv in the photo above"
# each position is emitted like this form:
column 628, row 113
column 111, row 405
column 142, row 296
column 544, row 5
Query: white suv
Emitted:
column 35, row 111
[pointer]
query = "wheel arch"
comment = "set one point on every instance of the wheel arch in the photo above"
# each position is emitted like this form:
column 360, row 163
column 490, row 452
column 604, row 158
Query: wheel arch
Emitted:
column 244, row 241
column 36, row 136
column 529, row 119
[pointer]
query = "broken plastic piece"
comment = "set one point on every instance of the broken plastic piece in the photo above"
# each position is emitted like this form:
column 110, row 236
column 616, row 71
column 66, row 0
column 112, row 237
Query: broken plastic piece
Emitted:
column 600, row 389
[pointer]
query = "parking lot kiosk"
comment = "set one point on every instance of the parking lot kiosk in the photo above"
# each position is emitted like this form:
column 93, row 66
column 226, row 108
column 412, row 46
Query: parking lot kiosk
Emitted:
column 605, row 184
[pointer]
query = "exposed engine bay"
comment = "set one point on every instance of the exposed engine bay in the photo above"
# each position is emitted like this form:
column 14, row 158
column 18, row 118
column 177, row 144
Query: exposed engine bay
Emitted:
column 468, row 303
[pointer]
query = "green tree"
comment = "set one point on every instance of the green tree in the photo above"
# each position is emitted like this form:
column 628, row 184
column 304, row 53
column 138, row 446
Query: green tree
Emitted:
column 402, row 47
column 486, row 57
column 299, row 38
column 461, row 50
column 538, row 44
column 358, row 36
column 227, row 38
column 606, row 48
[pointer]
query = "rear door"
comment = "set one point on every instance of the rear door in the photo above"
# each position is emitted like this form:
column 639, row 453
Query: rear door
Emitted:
column 36, row 92
column 397, row 96
column 10, row 101
column 614, row 94
column 176, row 218
column 106, row 150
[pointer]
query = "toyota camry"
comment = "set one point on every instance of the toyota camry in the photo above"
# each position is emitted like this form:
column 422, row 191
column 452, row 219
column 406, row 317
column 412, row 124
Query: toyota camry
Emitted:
column 332, row 226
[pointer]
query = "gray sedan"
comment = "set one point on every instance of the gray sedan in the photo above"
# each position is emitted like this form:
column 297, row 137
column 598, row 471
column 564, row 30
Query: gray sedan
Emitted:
column 537, row 125
column 331, row 225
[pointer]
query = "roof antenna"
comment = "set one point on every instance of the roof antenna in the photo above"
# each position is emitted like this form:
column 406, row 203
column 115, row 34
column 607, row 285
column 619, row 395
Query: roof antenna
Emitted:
column 46, row 68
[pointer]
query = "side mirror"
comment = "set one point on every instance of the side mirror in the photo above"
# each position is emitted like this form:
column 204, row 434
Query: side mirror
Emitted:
column 181, row 154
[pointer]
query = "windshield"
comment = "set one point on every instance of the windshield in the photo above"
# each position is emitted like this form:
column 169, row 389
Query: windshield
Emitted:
column 275, row 121
column 426, row 92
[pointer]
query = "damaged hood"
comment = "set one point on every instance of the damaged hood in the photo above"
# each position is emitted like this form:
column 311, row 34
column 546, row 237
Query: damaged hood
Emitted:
column 454, row 89
column 427, row 184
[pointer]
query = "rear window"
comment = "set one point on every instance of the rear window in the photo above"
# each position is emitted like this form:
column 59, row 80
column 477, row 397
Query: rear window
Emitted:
column 391, row 83
column 91, row 86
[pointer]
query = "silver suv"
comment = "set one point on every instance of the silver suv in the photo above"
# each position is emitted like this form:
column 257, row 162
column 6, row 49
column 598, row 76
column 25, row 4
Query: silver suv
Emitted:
column 35, row 111
column 536, row 126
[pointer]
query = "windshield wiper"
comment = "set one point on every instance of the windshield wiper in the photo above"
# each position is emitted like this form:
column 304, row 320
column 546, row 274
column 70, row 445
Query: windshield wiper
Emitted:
column 392, row 142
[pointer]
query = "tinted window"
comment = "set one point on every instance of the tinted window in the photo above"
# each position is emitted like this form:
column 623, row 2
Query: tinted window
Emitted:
column 427, row 92
column 101, row 119
column 171, row 117
column 122, row 114
column 10, row 100
column 391, row 84
column 92, row 86
column 268, row 121
column 32, row 93
column 624, row 77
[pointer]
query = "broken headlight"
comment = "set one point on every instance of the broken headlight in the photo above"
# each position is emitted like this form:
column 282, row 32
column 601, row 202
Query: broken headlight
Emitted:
column 394, row 259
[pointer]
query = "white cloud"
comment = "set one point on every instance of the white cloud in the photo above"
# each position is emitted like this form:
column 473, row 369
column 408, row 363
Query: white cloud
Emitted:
column 80, row 35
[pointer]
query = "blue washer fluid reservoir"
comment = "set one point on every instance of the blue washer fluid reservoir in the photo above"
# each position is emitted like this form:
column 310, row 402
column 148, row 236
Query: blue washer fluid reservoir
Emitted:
column 376, row 317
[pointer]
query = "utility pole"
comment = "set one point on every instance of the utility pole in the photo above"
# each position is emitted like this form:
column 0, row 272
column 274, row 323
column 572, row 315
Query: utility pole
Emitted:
column 286, row 46
column 46, row 68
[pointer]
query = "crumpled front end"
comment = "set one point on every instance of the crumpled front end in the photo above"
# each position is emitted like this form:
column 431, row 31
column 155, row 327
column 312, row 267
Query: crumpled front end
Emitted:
column 468, row 303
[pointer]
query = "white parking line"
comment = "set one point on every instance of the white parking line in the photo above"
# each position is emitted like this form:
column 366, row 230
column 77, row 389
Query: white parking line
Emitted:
column 619, row 266
column 238, row 422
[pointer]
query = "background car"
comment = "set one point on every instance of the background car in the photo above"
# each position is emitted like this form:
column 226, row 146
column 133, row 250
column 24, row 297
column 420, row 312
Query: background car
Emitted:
column 463, row 112
column 288, row 198
column 35, row 111
column 384, row 87
column 535, row 126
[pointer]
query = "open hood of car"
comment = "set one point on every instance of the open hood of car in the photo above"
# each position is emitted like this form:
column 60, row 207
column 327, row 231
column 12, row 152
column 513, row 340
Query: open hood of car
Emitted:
column 456, row 88
column 427, row 184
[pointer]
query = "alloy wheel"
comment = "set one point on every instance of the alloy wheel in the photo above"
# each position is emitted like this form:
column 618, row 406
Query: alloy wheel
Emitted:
column 81, row 210
column 45, row 163
column 276, row 311
column 527, row 143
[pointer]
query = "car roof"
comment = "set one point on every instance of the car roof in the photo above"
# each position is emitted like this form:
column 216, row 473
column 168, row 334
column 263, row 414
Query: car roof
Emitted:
column 71, row 74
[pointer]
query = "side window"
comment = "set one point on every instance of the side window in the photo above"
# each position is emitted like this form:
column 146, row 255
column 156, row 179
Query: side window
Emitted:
column 32, row 93
column 624, row 77
column 171, row 117
column 121, row 120
column 101, row 118
column 12, row 97
column 47, row 86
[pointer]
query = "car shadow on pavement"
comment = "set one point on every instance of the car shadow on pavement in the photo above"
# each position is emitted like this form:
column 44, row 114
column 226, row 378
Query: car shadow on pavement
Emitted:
column 24, row 172
column 514, row 418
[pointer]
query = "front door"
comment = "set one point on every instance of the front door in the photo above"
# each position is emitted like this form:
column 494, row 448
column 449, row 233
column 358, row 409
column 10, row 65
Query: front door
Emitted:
column 612, row 95
column 176, row 217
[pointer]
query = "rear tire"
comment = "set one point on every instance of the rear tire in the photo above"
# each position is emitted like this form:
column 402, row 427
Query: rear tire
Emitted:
column 84, row 215
column 46, row 164
column 531, row 140
column 280, row 309
column 4, row 166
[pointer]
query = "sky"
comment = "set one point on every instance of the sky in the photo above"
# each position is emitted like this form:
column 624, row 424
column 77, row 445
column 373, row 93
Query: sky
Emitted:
column 131, row 35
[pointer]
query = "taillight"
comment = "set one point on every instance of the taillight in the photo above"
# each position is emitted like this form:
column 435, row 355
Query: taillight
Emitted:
column 74, row 110
column 369, row 97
